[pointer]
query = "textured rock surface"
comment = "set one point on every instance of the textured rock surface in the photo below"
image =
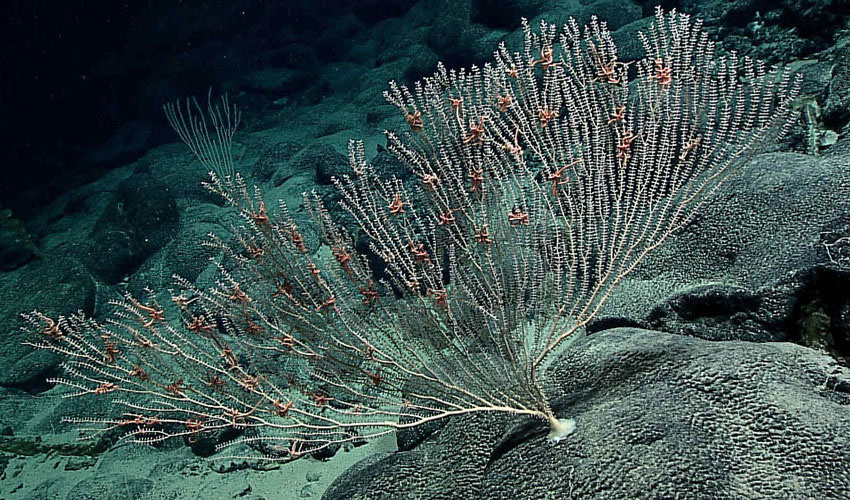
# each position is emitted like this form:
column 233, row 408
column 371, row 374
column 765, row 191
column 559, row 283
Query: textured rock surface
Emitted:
column 659, row 416
column 761, row 233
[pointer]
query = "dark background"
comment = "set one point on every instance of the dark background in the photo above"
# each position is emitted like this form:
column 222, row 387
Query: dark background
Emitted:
column 76, row 73
column 84, row 81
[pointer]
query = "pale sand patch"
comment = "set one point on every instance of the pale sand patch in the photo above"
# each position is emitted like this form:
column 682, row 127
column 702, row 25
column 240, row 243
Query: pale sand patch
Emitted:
column 137, row 472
